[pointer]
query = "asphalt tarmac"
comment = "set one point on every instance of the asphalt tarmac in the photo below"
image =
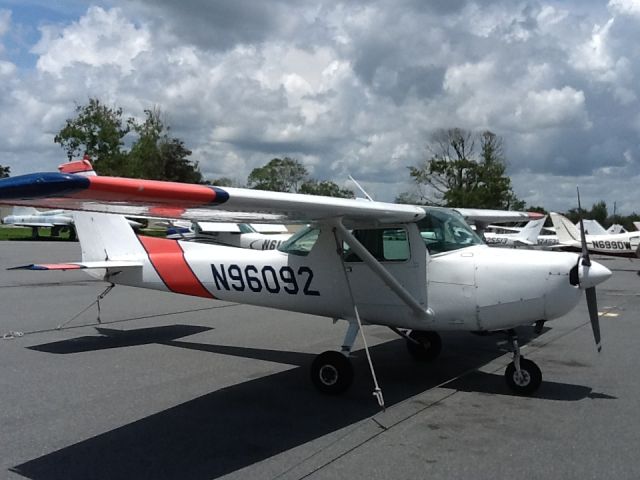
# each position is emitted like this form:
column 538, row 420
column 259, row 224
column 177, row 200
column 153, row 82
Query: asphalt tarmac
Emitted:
column 171, row 387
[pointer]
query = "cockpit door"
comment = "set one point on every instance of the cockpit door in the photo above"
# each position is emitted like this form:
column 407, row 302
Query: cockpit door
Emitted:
column 401, row 251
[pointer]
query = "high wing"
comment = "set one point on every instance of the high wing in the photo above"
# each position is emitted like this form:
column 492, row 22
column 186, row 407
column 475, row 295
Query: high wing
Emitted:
column 488, row 216
column 153, row 198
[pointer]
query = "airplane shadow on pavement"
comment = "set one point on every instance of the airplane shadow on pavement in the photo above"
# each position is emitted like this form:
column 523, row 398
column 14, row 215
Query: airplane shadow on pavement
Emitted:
column 232, row 428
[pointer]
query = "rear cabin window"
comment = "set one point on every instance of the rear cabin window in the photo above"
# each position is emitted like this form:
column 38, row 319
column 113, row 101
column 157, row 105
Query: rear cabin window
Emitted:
column 386, row 245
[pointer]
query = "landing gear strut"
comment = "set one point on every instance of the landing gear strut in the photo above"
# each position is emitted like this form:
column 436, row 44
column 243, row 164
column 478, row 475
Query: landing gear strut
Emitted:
column 522, row 376
column 424, row 346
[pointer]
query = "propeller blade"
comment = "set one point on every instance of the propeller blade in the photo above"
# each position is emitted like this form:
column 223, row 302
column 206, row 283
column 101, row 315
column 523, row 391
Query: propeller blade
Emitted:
column 586, row 261
column 592, row 305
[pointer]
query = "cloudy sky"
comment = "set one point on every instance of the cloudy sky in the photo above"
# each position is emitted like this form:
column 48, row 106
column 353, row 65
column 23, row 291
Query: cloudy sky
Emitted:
column 345, row 87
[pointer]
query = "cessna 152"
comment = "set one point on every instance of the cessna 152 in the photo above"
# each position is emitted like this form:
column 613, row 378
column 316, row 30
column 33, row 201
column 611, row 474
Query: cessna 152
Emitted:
column 417, row 270
column 616, row 244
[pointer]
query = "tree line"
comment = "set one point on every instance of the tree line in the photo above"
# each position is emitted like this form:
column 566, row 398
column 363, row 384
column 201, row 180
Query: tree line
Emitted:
column 461, row 168
column 101, row 132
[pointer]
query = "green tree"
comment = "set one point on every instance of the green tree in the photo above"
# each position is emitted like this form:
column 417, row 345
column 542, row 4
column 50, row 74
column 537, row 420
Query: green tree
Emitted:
column 223, row 182
column 574, row 214
column 410, row 198
column 279, row 175
column 97, row 130
column 599, row 212
column 5, row 171
column 456, row 174
column 155, row 155
column 326, row 188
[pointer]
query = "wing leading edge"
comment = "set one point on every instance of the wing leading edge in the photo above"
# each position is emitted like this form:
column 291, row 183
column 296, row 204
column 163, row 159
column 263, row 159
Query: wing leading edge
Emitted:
column 153, row 198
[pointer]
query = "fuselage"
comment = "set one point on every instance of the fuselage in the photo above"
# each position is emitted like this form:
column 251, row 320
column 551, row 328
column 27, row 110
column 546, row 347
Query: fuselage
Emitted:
column 469, row 288
column 620, row 244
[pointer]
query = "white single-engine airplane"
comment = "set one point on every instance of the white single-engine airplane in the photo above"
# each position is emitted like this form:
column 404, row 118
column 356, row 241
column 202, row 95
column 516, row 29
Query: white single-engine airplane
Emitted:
column 242, row 235
column 35, row 219
column 615, row 244
column 527, row 236
column 417, row 270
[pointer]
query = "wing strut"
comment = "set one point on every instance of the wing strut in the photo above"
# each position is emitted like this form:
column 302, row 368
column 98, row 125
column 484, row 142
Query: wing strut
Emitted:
column 355, row 327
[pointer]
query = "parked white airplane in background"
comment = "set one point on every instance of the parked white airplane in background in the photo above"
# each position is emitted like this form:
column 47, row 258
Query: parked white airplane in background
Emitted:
column 592, row 227
column 621, row 244
column 56, row 220
column 243, row 235
column 417, row 270
column 526, row 236
column 616, row 228
column 482, row 218
column 35, row 219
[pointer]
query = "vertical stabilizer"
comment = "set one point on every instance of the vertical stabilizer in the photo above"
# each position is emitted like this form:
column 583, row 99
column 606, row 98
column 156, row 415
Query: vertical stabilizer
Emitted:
column 20, row 211
column 565, row 230
column 106, row 237
column 529, row 233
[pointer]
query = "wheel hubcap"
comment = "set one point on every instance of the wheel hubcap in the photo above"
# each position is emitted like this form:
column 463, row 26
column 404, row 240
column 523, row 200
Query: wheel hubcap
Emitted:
column 523, row 379
column 328, row 375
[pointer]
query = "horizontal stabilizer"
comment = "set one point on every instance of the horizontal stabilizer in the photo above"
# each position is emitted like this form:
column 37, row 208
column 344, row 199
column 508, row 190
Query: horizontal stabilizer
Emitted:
column 78, row 265
column 523, row 242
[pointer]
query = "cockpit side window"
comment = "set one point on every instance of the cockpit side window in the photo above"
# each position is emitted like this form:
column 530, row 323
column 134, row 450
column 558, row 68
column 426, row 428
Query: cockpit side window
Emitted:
column 385, row 244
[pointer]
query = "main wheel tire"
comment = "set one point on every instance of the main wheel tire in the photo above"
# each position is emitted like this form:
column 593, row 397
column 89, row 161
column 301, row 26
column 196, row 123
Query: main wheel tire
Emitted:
column 428, row 347
column 530, row 380
column 332, row 372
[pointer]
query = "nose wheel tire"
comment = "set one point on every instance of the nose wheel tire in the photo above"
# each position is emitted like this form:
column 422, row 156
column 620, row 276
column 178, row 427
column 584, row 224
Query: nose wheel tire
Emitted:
column 428, row 346
column 332, row 373
column 529, row 379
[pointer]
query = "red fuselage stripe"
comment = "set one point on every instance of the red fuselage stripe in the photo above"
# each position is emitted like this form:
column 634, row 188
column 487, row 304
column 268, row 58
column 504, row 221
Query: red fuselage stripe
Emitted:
column 168, row 259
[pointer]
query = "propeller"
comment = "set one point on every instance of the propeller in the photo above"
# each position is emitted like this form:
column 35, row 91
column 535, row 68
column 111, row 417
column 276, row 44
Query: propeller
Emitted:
column 590, row 292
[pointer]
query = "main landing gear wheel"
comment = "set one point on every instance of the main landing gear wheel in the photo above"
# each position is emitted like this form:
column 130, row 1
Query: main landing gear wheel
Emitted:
column 529, row 379
column 332, row 372
column 425, row 347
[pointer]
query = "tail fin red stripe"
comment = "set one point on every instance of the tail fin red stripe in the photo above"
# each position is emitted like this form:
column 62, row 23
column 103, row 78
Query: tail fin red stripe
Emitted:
column 168, row 259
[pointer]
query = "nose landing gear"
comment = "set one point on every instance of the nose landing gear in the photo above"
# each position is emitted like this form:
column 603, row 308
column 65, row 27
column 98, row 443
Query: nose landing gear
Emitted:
column 522, row 376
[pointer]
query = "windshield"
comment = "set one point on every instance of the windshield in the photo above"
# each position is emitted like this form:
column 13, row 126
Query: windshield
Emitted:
column 444, row 230
column 301, row 243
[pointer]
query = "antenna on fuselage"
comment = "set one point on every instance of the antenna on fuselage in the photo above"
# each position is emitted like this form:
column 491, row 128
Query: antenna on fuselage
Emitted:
column 361, row 189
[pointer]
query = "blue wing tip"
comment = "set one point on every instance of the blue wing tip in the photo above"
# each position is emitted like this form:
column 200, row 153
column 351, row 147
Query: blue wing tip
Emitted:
column 34, row 185
column 31, row 266
column 221, row 195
